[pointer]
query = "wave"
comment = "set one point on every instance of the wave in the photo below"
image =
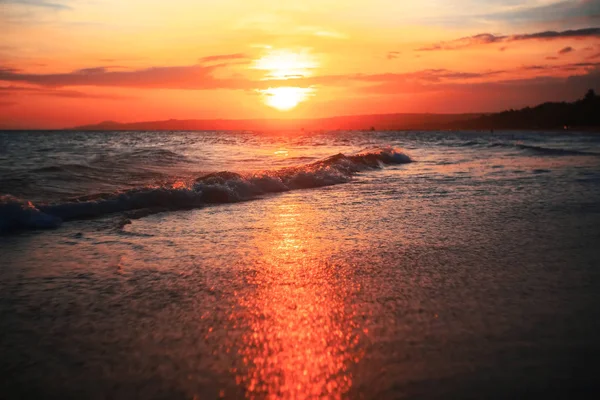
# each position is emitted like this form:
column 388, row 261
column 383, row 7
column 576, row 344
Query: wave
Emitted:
column 140, row 158
column 145, row 155
column 220, row 187
column 22, row 214
column 555, row 152
column 539, row 150
column 66, row 167
column 471, row 143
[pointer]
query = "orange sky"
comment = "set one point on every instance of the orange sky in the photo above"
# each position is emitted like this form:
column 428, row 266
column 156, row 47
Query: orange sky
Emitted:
column 71, row 62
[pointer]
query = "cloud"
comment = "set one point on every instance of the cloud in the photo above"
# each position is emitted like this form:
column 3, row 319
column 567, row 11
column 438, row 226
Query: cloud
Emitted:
column 508, row 93
column 38, row 3
column 98, row 70
column 197, row 77
column 223, row 57
column 392, row 55
column 81, row 95
column 549, row 35
column 556, row 11
column 557, row 69
column 200, row 77
column 90, row 71
column 6, row 90
column 434, row 80
column 13, row 90
column 483, row 38
column 566, row 50
column 8, row 70
column 551, row 58
column 488, row 38
column 422, row 77
column 595, row 56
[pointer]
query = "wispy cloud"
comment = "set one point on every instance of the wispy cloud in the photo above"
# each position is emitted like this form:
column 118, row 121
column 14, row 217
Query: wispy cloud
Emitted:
column 566, row 50
column 26, row 90
column 549, row 35
column 508, row 92
column 392, row 55
column 488, row 38
column 38, row 3
column 223, row 57
column 565, row 10
column 438, row 79
column 99, row 70
column 197, row 77
column 200, row 77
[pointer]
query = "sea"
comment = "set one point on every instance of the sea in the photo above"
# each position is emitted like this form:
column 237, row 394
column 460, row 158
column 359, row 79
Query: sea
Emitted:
column 299, row 265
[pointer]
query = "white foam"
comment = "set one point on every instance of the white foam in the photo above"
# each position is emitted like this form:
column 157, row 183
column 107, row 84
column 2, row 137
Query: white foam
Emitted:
column 221, row 187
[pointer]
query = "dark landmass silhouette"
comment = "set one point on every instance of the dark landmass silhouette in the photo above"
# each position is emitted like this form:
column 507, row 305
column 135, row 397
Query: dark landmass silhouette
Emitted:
column 581, row 114
column 351, row 122
column 584, row 113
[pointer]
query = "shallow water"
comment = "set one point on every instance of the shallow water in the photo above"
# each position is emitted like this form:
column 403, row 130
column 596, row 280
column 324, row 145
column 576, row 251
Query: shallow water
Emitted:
column 471, row 272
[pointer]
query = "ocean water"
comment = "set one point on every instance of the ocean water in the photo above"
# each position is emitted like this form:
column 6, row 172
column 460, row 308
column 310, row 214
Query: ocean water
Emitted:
column 361, row 265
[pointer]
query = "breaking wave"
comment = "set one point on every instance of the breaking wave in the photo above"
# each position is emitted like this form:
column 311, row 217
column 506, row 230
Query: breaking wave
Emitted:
column 220, row 187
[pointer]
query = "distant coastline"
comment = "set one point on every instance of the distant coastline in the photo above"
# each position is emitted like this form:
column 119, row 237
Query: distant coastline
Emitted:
column 583, row 115
column 353, row 122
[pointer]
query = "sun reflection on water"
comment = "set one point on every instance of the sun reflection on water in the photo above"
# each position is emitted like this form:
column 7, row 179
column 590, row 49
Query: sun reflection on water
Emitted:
column 302, row 337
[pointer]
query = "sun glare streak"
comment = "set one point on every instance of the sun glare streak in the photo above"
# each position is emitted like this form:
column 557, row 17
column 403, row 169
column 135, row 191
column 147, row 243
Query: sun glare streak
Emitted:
column 286, row 64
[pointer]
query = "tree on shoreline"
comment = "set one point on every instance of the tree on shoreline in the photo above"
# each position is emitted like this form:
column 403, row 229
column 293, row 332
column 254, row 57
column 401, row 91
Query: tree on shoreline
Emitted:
column 581, row 113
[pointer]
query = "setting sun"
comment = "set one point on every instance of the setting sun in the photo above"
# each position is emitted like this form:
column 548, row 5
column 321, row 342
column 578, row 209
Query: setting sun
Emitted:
column 316, row 199
column 285, row 98
column 286, row 65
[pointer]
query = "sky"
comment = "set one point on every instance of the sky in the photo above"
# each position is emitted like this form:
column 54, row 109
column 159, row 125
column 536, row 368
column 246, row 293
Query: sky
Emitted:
column 65, row 63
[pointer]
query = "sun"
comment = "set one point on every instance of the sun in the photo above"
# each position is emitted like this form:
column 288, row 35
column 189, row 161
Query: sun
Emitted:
column 285, row 98
column 287, row 67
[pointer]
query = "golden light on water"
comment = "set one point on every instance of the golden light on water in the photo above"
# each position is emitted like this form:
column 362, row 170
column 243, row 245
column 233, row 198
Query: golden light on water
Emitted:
column 303, row 336
column 286, row 65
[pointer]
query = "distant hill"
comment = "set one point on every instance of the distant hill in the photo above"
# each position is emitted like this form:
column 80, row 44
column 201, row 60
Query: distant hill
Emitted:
column 584, row 113
column 354, row 122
